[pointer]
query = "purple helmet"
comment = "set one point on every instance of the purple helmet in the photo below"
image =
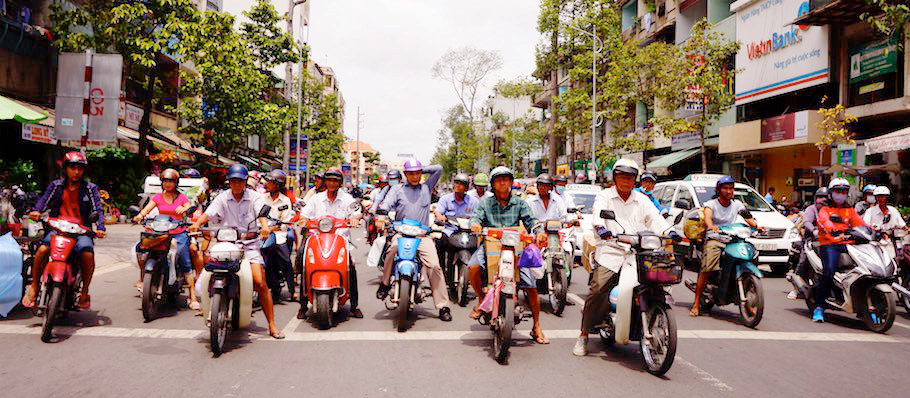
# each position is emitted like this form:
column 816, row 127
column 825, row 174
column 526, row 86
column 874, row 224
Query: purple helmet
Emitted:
column 413, row 165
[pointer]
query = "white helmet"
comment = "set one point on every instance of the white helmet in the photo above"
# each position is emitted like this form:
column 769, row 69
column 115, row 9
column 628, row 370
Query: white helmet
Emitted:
column 881, row 190
column 625, row 165
column 838, row 183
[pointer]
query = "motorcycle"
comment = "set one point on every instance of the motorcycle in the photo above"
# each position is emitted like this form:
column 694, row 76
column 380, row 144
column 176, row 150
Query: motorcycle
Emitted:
column 405, row 286
column 462, row 243
column 640, row 301
column 327, row 260
column 505, row 312
column 902, row 273
column 160, row 283
column 61, row 280
column 558, row 265
column 278, row 256
column 29, row 245
column 228, row 279
column 862, row 283
column 739, row 279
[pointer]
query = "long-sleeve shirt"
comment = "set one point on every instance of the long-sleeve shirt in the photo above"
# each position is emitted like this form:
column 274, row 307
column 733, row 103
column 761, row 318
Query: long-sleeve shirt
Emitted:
column 826, row 227
column 89, row 201
column 413, row 201
column 810, row 218
column 633, row 215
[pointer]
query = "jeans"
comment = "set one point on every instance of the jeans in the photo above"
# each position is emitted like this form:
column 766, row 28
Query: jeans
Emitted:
column 829, row 255
column 184, row 263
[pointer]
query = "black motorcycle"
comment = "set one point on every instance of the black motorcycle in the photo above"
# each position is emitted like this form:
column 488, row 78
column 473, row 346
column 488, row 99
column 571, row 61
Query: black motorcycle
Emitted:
column 458, row 249
column 279, row 269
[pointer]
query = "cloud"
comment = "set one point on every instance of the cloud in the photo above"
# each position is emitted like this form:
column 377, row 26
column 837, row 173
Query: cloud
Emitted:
column 383, row 51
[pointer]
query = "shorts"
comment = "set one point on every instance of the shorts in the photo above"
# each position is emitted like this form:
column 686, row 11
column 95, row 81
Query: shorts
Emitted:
column 83, row 243
column 526, row 280
column 254, row 256
column 713, row 251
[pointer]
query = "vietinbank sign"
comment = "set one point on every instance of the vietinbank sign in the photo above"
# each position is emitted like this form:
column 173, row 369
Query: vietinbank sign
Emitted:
column 776, row 57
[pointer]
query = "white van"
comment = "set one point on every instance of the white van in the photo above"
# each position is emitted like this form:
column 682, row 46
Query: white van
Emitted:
column 774, row 246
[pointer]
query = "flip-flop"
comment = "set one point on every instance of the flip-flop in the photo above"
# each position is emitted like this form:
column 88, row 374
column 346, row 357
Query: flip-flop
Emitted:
column 539, row 339
column 476, row 313
column 85, row 302
column 28, row 299
column 694, row 312
column 277, row 336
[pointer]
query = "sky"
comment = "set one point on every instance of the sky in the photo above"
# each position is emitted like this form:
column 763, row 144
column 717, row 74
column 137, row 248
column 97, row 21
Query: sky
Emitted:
column 383, row 51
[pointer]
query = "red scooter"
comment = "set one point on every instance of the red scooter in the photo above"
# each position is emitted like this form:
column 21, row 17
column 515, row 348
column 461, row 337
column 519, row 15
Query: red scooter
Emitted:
column 326, row 269
column 61, row 279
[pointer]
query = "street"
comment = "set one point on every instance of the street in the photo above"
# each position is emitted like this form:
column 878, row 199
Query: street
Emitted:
column 110, row 351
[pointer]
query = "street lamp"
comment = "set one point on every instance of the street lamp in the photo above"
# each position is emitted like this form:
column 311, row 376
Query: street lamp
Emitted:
column 596, row 49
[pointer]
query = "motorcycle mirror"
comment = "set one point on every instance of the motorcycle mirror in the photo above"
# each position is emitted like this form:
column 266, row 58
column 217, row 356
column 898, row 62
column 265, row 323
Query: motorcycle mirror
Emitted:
column 133, row 210
column 679, row 218
column 382, row 212
column 264, row 212
column 683, row 204
column 607, row 215
column 191, row 209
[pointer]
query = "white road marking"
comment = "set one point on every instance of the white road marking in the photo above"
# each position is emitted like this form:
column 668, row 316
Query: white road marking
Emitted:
column 902, row 325
column 112, row 268
column 109, row 331
column 705, row 376
column 576, row 298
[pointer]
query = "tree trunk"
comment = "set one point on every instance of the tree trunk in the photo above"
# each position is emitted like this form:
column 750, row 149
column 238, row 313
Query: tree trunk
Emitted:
column 551, row 125
column 145, row 125
column 704, row 156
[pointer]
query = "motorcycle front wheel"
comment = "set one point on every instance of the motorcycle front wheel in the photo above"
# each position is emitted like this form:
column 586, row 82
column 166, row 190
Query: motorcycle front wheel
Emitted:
column 54, row 301
column 557, row 296
column 505, row 322
column 324, row 310
column 751, row 311
column 149, row 300
column 461, row 289
column 218, row 324
column 880, row 310
column 660, row 351
column 404, row 304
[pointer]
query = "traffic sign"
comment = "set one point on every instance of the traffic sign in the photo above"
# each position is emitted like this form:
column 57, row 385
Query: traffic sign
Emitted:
column 293, row 166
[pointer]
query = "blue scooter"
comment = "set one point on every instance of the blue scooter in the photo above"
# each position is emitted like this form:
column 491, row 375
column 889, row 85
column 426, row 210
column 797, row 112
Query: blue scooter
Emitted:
column 405, row 287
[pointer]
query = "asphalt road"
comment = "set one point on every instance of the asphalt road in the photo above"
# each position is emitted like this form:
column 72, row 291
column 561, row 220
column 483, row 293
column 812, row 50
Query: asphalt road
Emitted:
column 110, row 351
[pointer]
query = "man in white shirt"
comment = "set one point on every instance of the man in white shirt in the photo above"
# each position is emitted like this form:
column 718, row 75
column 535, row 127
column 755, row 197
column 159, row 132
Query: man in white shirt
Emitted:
column 547, row 204
column 875, row 218
column 278, row 247
column 336, row 203
column 634, row 213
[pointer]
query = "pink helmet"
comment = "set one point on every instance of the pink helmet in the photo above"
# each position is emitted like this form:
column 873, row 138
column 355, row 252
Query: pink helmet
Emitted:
column 413, row 165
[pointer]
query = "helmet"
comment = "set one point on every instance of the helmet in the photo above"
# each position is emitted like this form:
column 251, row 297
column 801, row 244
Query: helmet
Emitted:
column 191, row 173
column 881, row 190
column 869, row 188
column 561, row 178
column 254, row 174
column 277, row 176
column 413, row 164
column 838, row 183
column 821, row 191
column 724, row 180
column 481, row 180
column 169, row 174
column 75, row 157
column 516, row 185
column 648, row 175
column 544, row 179
column 499, row 172
column 384, row 179
column 237, row 171
column 627, row 166
column 320, row 175
column 462, row 178
column 394, row 175
column 333, row 174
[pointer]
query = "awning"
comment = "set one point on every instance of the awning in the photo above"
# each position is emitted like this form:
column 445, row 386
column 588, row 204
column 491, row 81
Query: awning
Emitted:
column 13, row 110
column 836, row 12
column 896, row 141
column 662, row 164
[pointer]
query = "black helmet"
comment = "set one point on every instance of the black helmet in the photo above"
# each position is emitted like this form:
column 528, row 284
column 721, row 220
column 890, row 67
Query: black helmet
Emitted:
column 237, row 171
column 462, row 178
column 821, row 192
column 544, row 179
column 647, row 174
column 277, row 176
column 561, row 178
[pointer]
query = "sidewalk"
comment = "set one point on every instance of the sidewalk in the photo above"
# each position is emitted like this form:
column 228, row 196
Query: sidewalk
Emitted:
column 116, row 248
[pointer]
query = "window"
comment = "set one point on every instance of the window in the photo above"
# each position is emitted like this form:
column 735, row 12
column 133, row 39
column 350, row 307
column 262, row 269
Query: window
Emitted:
column 685, row 194
column 666, row 196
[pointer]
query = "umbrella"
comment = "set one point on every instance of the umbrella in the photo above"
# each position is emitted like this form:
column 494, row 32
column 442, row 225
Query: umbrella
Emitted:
column 10, row 109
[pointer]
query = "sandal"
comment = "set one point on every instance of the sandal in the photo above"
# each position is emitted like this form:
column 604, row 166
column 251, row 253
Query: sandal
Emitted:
column 277, row 335
column 476, row 313
column 28, row 299
column 694, row 312
column 193, row 305
column 85, row 302
column 539, row 339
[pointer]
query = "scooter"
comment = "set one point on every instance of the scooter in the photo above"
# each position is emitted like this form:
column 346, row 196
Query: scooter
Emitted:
column 161, row 282
column 405, row 286
column 739, row 279
column 862, row 282
column 558, row 265
column 462, row 243
column 279, row 270
column 505, row 312
column 640, row 301
column 29, row 245
column 327, row 261
column 901, row 284
column 62, row 279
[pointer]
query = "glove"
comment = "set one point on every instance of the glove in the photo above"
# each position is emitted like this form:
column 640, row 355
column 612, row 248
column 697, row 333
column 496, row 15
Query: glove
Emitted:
column 675, row 236
column 603, row 233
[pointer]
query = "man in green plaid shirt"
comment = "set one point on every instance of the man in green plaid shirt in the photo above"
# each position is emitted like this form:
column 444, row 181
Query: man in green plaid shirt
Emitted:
column 504, row 211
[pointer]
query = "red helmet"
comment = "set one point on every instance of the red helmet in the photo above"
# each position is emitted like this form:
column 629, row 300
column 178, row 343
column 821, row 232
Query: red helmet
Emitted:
column 75, row 157
column 383, row 179
column 516, row 185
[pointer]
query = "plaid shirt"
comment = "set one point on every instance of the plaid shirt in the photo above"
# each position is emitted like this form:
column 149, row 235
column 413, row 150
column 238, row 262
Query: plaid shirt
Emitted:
column 490, row 214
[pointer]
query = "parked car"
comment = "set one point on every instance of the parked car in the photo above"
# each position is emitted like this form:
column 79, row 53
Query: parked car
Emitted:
column 775, row 247
column 582, row 195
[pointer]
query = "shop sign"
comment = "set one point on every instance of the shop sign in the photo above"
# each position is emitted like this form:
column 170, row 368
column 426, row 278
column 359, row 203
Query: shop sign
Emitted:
column 785, row 127
column 38, row 133
column 346, row 168
column 777, row 57
column 133, row 116
column 683, row 141
column 562, row 169
column 806, row 182
column 89, row 144
column 871, row 87
column 873, row 59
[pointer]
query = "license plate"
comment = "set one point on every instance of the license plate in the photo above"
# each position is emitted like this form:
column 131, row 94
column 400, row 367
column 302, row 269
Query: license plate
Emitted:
column 766, row 247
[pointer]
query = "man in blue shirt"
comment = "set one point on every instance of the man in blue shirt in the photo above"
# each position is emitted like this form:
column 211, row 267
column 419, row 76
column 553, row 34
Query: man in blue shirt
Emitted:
column 455, row 204
column 648, row 180
column 412, row 201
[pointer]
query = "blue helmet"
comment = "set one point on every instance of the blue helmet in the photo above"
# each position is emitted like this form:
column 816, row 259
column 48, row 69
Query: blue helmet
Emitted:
column 191, row 173
column 724, row 180
column 394, row 175
column 869, row 188
column 237, row 171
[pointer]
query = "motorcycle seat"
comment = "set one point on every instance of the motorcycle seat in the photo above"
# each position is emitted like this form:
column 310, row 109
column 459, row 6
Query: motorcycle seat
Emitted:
column 844, row 262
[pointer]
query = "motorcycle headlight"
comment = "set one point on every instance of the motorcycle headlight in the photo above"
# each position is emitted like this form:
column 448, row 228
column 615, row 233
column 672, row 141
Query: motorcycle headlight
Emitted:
column 162, row 226
column 409, row 230
column 510, row 238
column 227, row 235
column 650, row 242
column 325, row 225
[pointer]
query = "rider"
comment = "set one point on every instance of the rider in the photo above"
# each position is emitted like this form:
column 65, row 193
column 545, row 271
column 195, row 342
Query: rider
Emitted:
column 238, row 207
column 720, row 211
column 336, row 203
column 71, row 197
column 318, row 186
column 170, row 202
column 875, row 216
column 281, row 210
column 504, row 210
column 634, row 213
column 380, row 185
column 561, row 182
column 412, row 201
column 454, row 204
column 481, row 183
column 831, row 240
column 648, row 179
column 394, row 177
column 868, row 199
column 810, row 232
column 547, row 205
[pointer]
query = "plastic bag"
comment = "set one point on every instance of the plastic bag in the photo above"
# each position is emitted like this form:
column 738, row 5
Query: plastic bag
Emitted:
column 10, row 273
column 487, row 304
column 533, row 260
column 376, row 252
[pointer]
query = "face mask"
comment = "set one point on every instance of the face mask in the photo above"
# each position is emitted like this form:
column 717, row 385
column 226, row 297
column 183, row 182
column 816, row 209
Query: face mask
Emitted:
column 560, row 189
column 870, row 199
column 393, row 182
column 839, row 198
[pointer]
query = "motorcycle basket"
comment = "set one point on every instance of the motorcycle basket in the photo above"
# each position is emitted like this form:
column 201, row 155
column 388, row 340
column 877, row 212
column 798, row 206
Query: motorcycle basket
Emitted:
column 659, row 268
column 150, row 240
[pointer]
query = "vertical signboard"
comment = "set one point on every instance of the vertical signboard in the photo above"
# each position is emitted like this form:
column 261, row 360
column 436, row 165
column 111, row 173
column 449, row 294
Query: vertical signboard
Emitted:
column 88, row 96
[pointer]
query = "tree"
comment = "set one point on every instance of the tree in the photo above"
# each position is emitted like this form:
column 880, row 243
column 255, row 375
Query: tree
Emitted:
column 143, row 32
column 834, row 125
column 465, row 69
column 457, row 148
column 372, row 158
column 894, row 16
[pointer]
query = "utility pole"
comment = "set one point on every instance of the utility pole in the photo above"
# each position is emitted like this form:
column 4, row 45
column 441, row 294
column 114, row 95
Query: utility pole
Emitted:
column 596, row 40
column 288, row 86
column 358, row 172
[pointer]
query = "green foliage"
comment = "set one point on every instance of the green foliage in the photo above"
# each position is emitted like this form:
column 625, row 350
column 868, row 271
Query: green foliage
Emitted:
column 267, row 43
column 458, row 148
column 18, row 172
column 115, row 171
column 518, row 87
column 894, row 15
